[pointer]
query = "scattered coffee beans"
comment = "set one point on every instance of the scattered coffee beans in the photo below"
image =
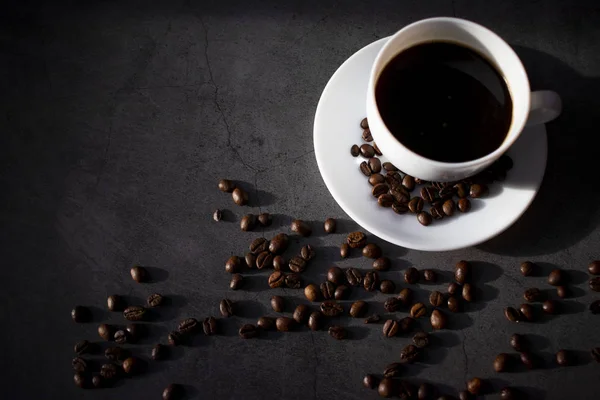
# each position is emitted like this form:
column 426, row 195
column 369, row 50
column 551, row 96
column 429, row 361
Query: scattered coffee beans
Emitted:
column 549, row 307
column 474, row 386
column 528, row 360
column 79, row 380
column 501, row 362
column 532, row 295
column 293, row 281
column 98, row 381
column 115, row 303
column 330, row 308
column 279, row 243
column 266, row 323
column 236, row 282
column 556, row 277
column 411, row 275
column 436, row 298
column 105, row 331
column 79, row 364
column 81, row 314
column 424, row 218
column 134, row 313
column 155, row 300
column 518, row 342
column 393, row 370
column 509, row 394
column 284, row 324
column 386, row 286
column 409, row 354
column 390, row 328
column 453, row 304
column 344, row 250
column 356, row 239
column 594, row 268
column 372, row 319
column 226, row 308
column 418, row 310
column 421, row 339
column 276, row 279
column 512, row 314
column 120, row 337
column 354, row 277
column 453, row 288
column 248, row 331
column 307, row 252
column 438, row 320
column 358, row 309
column 468, row 292
column 109, row 371
column 173, row 392
column 595, row 284
column 335, row 275
column 225, row 185
column 562, row 292
column 429, row 275
column 387, row 387
column 259, row 245
column 426, row 391
column 175, row 338
column 354, row 150
column 264, row 260
column 563, row 358
column 83, row 347
column 369, row 381
column 217, row 215
column 371, row 281
column 527, row 312
column 327, row 290
column 189, row 326
column 301, row 227
column 315, row 321
column 371, row 250
column 265, row 219
column 337, row 332
column 233, row 265
column 462, row 272
column 301, row 313
column 277, row 303
column 116, row 353
column 159, row 352
column 381, row 264
column 405, row 296
column 297, row 264
column 341, row 292
column 392, row 304
column 239, row 196
column 464, row 205
column 209, row 326
column 279, row 263
column 312, row 292
column 139, row 274
column 527, row 268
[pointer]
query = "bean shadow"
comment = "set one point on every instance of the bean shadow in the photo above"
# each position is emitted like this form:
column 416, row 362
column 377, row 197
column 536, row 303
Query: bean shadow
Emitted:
column 530, row 393
column 190, row 392
column 231, row 326
column 571, row 153
column 157, row 274
column 494, row 385
column 129, row 300
column 255, row 283
column 357, row 332
column 458, row 321
column 97, row 314
column 253, row 309
column 256, row 197
column 536, row 342
column 227, row 216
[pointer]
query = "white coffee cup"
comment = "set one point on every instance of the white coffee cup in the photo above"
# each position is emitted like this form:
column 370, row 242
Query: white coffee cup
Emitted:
column 528, row 108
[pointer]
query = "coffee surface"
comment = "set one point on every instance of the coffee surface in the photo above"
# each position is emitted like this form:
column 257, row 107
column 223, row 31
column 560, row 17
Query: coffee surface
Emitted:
column 445, row 102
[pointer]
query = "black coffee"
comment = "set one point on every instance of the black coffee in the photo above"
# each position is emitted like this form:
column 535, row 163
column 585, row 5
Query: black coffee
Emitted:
column 445, row 102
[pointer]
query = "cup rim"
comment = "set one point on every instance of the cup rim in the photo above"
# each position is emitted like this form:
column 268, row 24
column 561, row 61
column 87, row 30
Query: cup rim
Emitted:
column 508, row 141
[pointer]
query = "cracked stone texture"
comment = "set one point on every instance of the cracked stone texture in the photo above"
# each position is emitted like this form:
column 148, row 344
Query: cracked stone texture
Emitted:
column 118, row 120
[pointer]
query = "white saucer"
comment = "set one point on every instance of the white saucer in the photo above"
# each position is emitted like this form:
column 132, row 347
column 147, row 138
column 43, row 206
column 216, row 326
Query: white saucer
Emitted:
column 340, row 109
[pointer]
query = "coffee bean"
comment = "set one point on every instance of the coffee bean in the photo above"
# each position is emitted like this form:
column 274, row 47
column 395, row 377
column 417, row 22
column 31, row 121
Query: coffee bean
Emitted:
column 154, row 300
column 233, row 264
column 447, row 191
column 301, row 313
column 376, row 179
column 400, row 205
column 341, row 292
column 406, row 324
column 120, row 337
column 225, row 185
column 381, row 264
column 115, row 303
column 478, row 190
column 265, row 219
column 175, row 338
column 556, row 277
column 266, row 323
column 79, row 364
column 354, row 150
column 84, row 347
column 330, row 225
column 375, row 165
column 331, row 308
column 279, row 263
column 335, row 275
column 594, row 268
column 595, row 307
column 356, row 239
column 408, row 182
column 366, row 135
column 81, row 314
column 468, row 292
column 367, row 151
column 189, row 326
column 327, row 290
column 418, row 310
column 284, row 324
column 462, row 271
column 372, row 319
column 209, row 326
column 405, row 296
column 453, row 304
column 501, row 362
column 259, row 245
column 279, row 243
column 426, row 392
column 449, row 207
column 563, row 358
column 421, row 339
column 379, row 189
column 369, row 381
column 365, row 169
column 371, row 250
column 409, row 354
column 337, row 332
column 344, row 250
column 301, row 227
column 250, row 260
column 424, row 218
column 358, row 309
column 512, row 314
column 428, row 194
column 388, row 166
column 527, row 268
column 226, row 308
column 595, row 353
column 533, row 295
column 393, row 370
column 509, row 394
column 411, row 275
column 474, row 385
column 549, row 307
column 436, row 298
column 109, row 371
column 387, row 387
column 116, row 353
column 415, row 205
column 135, row 332
column 293, row 281
column 276, row 279
column 236, row 282
column 392, row 304
column 562, row 292
column 464, row 205
column 461, row 190
column 139, row 274
column 297, row 264
column 159, row 352
column 105, row 331
column 307, row 252
column 518, row 342
column 526, row 312
column 277, row 303
column 239, row 196
column 173, row 392
column 385, row 200
column 354, row 277
column 79, row 380
column 264, row 260
column 312, row 292
column 371, row 281
column 386, row 286
column 429, row 275
column 453, row 288
column 98, row 381
column 528, row 360
column 437, row 211
column 595, row 284
column 315, row 321
column 248, row 331
column 390, row 328
column 376, row 149
column 438, row 320
column 248, row 222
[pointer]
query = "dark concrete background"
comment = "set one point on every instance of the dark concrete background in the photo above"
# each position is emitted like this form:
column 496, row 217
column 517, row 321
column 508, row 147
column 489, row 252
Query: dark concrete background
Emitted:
column 119, row 118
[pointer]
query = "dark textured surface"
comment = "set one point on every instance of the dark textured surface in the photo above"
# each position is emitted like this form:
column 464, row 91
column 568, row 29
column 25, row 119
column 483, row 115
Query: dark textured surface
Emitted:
column 118, row 119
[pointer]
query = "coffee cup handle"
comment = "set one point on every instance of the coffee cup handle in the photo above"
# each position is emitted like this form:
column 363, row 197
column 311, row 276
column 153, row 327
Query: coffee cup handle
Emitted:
column 545, row 106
